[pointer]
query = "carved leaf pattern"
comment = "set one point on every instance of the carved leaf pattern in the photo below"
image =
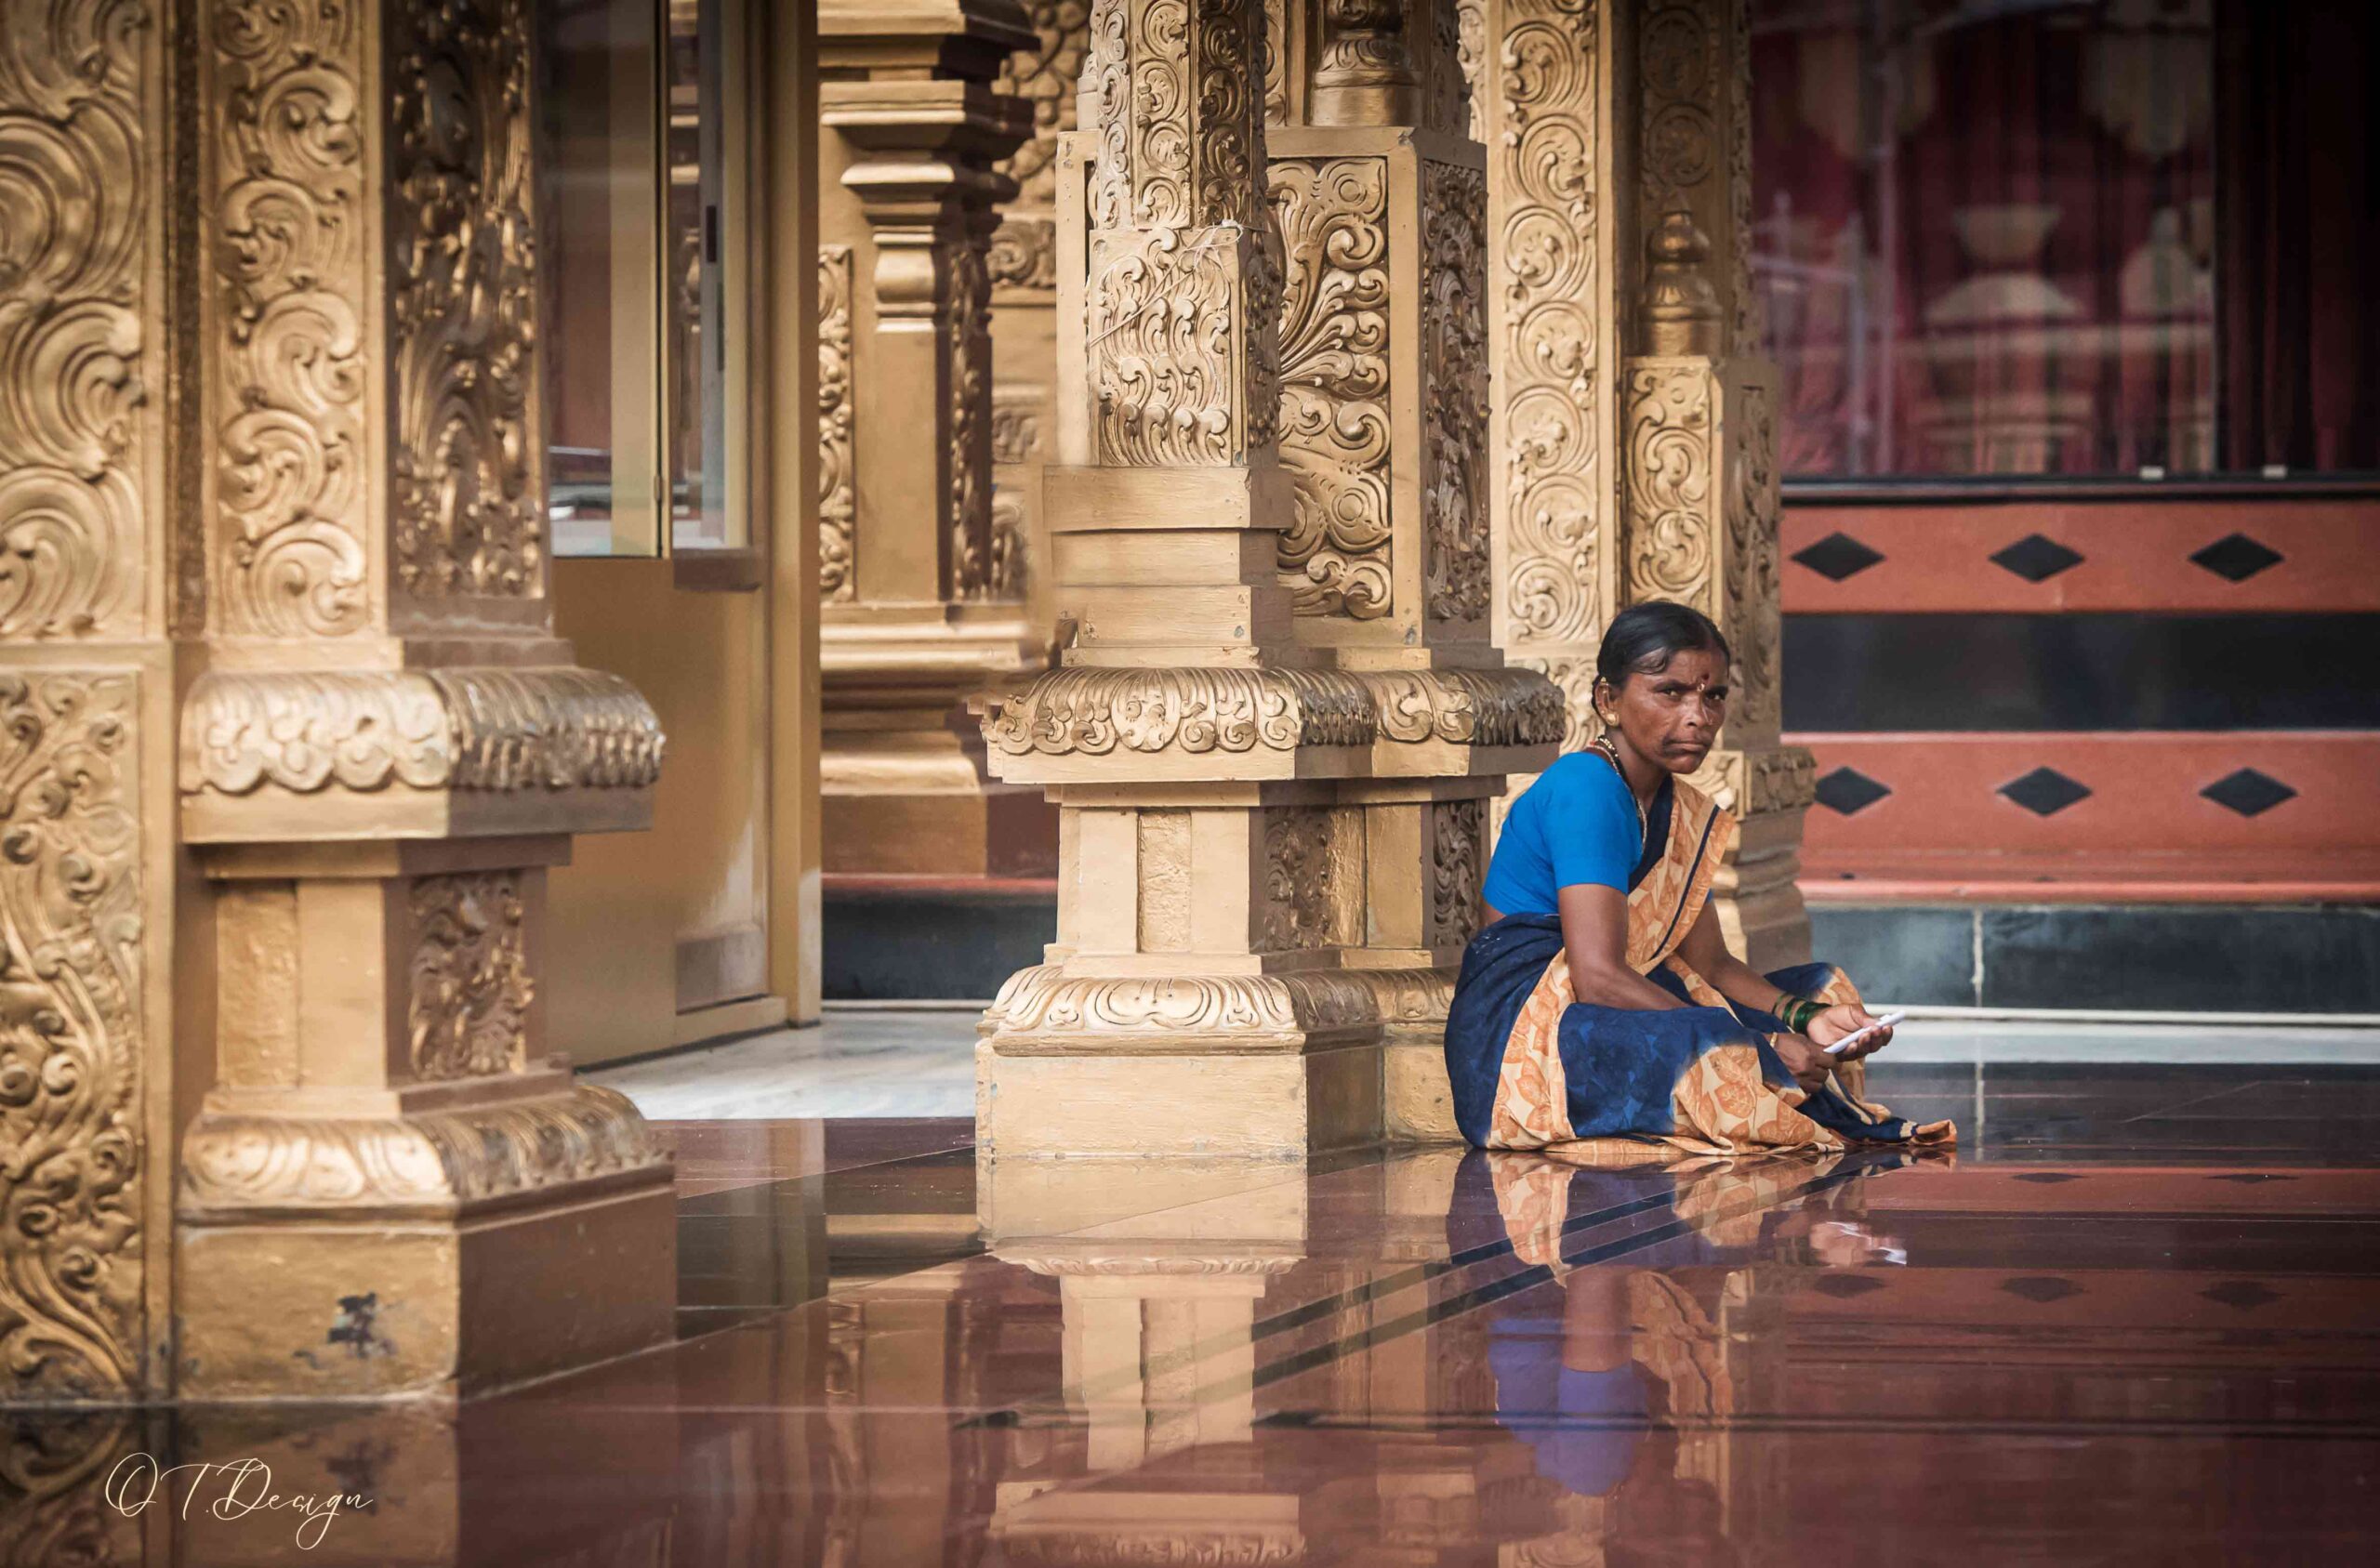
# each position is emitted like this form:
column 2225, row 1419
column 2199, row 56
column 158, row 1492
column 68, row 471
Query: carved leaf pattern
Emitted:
column 70, row 1036
column 1669, row 484
column 1309, row 894
column 967, row 321
column 1552, row 362
column 1163, row 318
column 1457, row 862
column 1454, row 360
column 1334, row 432
column 1470, row 52
column 467, row 495
column 1176, row 84
column 74, row 188
column 290, row 361
column 838, row 508
column 468, row 1005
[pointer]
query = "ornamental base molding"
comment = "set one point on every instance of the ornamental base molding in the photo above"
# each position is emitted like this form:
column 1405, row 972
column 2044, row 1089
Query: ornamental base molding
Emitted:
column 1046, row 1011
column 1196, row 718
column 241, row 1166
column 292, row 755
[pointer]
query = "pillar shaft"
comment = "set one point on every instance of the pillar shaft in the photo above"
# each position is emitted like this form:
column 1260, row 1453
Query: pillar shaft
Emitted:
column 1700, row 497
column 383, row 747
column 922, row 581
column 1632, row 452
column 1277, row 711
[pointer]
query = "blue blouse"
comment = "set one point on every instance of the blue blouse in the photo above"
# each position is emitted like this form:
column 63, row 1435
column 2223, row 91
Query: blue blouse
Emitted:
column 1576, row 824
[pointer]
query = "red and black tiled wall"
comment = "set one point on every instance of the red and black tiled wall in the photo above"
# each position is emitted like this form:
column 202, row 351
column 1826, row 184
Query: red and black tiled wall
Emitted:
column 2088, row 703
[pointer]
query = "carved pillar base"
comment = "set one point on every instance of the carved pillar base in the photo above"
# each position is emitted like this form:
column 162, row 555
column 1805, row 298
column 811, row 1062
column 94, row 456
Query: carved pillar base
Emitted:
column 902, row 787
column 392, row 1189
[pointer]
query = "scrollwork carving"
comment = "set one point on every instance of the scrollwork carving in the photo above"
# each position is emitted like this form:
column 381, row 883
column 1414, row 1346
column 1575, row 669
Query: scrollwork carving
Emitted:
column 292, row 375
column 1454, row 360
column 436, row 1161
column 496, row 729
column 968, row 323
column 71, row 1035
column 1553, row 361
column 1166, row 328
column 1310, row 886
column 74, row 186
column 1334, row 427
column 1670, row 483
column 471, row 988
column 1024, row 254
column 1094, row 711
column 837, row 505
column 1471, row 53
column 1153, row 1013
column 1178, row 92
column 1753, row 568
column 1458, row 862
column 466, row 502
column 1489, row 707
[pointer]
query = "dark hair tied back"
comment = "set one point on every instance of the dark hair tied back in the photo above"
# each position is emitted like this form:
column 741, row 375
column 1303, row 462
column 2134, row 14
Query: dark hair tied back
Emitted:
column 1643, row 637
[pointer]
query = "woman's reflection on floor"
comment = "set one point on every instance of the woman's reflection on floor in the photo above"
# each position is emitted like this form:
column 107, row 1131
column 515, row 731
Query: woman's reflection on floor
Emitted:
column 1624, row 1398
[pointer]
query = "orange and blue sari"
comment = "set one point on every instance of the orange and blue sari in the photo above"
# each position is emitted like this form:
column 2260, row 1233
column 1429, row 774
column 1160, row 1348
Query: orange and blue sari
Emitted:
column 1534, row 1068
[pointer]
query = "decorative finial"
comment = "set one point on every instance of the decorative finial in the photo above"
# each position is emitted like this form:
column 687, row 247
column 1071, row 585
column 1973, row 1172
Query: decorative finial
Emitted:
column 1680, row 310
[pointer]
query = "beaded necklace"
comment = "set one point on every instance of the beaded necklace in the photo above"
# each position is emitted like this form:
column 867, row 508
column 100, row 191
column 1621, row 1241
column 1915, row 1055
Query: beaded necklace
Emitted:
column 1611, row 755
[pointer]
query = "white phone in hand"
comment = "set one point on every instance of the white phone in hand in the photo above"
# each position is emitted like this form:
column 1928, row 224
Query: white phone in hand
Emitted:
column 1858, row 1034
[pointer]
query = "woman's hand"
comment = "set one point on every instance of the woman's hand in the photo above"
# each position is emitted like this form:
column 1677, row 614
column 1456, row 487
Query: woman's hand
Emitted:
column 1808, row 1064
column 1848, row 1018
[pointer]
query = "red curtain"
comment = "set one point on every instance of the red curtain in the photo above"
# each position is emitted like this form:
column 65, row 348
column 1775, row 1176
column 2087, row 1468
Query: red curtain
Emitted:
column 2299, row 201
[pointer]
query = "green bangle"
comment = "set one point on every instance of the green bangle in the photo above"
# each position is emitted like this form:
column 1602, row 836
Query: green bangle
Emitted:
column 1797, row 1011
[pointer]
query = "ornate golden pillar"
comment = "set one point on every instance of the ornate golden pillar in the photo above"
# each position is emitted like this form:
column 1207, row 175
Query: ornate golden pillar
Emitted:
column 922, row 590
column 1549, row 79
column 1700, row 496
column 88, row 596
column 391, row 1188
column 1380, row 192
column 1616, row 474
column 1278, row 711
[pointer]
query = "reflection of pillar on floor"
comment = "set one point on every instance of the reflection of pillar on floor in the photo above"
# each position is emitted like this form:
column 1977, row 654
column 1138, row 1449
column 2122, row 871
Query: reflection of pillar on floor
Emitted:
column 921, row 579
column 1159, row 1361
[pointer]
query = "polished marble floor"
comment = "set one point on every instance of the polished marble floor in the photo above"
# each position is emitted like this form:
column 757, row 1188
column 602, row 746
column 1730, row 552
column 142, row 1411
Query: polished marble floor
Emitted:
column 2134, row 1320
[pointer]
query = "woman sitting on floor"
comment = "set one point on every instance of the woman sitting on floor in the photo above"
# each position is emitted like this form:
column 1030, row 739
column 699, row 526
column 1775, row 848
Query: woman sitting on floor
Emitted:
column 1600, row 1001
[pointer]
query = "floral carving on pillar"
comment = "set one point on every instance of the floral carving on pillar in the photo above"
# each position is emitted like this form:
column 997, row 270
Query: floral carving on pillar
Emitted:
column 293, row 376
column 71, row 1031
column 968, row 321
column 472, row 986
column 1454, row 357
column 1458, row 841
column 1310, row 882
column 466, row 497
column 73, row 187
column 1669, row 458
column 1024, row 253
column 1554, row 364
column 1334, row 432
column 837, row 502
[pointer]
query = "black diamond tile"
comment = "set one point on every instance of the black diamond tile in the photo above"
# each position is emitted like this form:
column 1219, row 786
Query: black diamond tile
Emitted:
column 2246, row 1295
column 2237, row 557
column 1848, row 790
column 2248, row 791
column 2048, row 1178
column 1842, row 1287
column 2045, row 792
column 2043, row 1289
column 2036, row 559
column 1837, row 555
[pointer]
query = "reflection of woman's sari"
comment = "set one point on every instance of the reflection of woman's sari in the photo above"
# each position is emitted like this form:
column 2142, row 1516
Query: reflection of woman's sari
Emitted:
column 1531, row 1067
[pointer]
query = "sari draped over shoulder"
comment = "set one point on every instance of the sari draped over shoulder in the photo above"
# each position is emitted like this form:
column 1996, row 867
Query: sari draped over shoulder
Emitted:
column 1534, row 1068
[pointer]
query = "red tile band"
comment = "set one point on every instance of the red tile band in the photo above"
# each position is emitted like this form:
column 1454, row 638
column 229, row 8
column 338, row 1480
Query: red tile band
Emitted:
column 2169, row 557
column 2252, row 816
